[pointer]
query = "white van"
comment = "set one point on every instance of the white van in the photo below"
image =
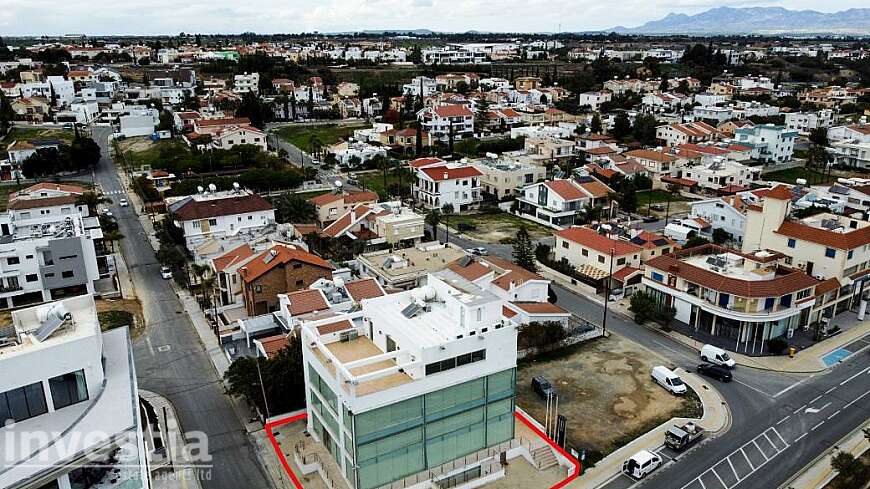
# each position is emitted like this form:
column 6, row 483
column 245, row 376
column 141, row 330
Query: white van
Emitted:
column 669, row 380
column 716, row 355
column 641, row 463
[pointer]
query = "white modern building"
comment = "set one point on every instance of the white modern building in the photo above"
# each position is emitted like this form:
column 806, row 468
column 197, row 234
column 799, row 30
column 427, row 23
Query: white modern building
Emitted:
column 557, row 203
column 412, row 381
column 456, row 184
column 72, row 394
column 443, row 120
column 770, row 143
column 712, row 113
column 593, row 100
column 720, row 174
column 805, row 122
column 246, row 82
column 420, row 85
column 218, row 215
column 722, row 213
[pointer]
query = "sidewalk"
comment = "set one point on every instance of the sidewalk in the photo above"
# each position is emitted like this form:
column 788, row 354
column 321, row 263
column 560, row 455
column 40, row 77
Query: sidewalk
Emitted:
column 818, row 473
column 175, row 471
column 806, row 361
column 715, row 420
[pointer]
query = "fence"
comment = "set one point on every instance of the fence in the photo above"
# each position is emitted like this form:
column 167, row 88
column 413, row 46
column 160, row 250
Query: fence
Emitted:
column 578, row 330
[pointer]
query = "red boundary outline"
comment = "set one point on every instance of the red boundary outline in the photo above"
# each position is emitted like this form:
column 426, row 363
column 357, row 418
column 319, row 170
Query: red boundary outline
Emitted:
column 274, row 424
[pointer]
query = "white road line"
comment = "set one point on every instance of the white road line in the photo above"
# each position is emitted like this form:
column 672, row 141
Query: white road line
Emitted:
column 783, row 420
column 720, row 479
column 781, row 438
column 830, row 390
column 856, row 375
column 814, row 400
column 853, row 401
column 732, row 469
column 834, row 414
column 700, row 482
column 747, row 460
column 816, row 426
column 771, row 442
column 799, row 438
column 753, row 388
column 799, row 409
column 793, row 386
column 761, row 452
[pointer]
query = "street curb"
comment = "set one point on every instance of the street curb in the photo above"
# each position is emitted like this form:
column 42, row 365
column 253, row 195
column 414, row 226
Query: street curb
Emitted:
column 818, row 458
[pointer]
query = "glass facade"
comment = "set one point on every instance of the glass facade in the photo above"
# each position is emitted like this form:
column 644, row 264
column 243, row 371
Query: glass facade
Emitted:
column 68, row 389
column 420, row 433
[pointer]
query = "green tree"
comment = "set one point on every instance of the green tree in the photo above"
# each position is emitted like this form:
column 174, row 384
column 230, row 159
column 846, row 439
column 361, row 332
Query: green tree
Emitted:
column 643, row 306
column 694, row 241
column 293, row 208
column 433, row 219
column 644, row 129
column 111, row 237
column 720, row 236
column 849, row 468
column 627, row 197
column 524, row 250
column 447, row 211
column 595, row 125
column 283, row 382
column 621, row 125
column 92, row 201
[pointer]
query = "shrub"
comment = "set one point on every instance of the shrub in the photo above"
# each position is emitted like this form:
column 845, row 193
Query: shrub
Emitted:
column 777, row 346
column 115, row 319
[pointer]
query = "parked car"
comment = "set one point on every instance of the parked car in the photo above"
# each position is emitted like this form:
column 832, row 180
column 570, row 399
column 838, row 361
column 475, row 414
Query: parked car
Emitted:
column 641, row 464
column 658, row 207
column 714, row 354
column 679, row 438
column 165, row 272
column 717, row 372
column 479, row 251
column 107, row 212
column 123, row 203
column 650, row 219
column 669, row 380
column 543, row 387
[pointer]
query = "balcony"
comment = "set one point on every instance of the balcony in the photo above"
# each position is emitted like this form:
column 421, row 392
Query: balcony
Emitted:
column 10, row 288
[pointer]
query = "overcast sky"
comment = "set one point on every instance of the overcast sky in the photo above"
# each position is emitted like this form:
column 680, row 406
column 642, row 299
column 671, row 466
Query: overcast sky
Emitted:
column 95, row 17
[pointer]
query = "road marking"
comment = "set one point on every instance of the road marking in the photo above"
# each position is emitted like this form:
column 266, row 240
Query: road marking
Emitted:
column 830, row 390
column 771, row 442
column 799, row 438
column 783, row 420
column 793, row 386
column 720, row 479
column 781, row 438
column 856, row 399
column 747, row 460
column 799, row 409
column 816, row 410
column 700, row 482
column 753, row 388
column 736, row 475
column 816, row 426
column 814, row 400
column 854, row 376
column 150, row 346
column 834, row 414
column 761, row 451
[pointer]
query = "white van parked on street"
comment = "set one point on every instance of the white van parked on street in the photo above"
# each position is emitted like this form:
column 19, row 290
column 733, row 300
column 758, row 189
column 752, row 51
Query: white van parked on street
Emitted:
column 669, row 380
column 641, row 463
column 716, row 355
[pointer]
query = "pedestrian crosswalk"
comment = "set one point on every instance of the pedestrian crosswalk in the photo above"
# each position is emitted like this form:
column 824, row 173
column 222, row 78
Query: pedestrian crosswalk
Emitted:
column 115, row 192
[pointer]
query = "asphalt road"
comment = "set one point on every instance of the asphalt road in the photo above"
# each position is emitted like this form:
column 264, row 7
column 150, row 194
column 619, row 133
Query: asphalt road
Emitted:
column 780, row 422
column 170, row 359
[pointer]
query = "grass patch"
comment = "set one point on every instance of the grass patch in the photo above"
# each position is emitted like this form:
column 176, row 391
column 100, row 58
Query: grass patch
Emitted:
column 648, row 197
column 116, row 313
column 327, row 135
column 374, row 181
column 495, row 226
column 27, row 133
column 790, row 176
column 115, row 319
column 140, row 154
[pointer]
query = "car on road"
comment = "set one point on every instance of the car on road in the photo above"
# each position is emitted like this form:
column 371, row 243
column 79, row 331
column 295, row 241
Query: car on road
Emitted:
column 123, row 203
column 479, row 251
column 717, row 372
column 543, row 387
column 657, row 207
column 641, row 464
column 107, row 212
column 668, row 379
column 714, row 354
column 650, row 219
column 165, row 272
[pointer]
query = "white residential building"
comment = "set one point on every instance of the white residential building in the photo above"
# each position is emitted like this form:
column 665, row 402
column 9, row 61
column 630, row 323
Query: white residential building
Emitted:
column 713, row 113
column 769, row 143
column 557, row 203
column 247, row 82
column 421, row 84
column 217, row 215
column 720, row 174
column 722, row 213
column 456, row 184
column 440, row 121
column 438, row 355
column 593, row 100
column 353, row 153
column 805, row 122
column 708, row 99
column 848, row 153
column 64, row 377
column 689, row 132
column 503, row 177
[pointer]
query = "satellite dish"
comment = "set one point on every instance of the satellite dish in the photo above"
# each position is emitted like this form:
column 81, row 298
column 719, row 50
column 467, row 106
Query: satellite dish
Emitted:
column 236, row 185
column 212, row 187
column 338, row 183
column 199, row 188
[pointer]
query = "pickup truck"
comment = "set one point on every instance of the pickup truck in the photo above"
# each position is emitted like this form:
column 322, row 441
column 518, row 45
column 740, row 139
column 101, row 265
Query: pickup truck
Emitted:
column 680, row 438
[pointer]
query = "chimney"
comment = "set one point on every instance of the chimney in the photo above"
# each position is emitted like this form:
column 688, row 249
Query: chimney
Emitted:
column 445, row 175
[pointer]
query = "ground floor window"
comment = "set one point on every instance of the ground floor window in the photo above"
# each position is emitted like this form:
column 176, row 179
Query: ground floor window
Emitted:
column 68, row 389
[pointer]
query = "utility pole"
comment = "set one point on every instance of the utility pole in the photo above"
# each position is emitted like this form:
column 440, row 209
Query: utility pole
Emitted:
column 262, row 387
column 607, row 294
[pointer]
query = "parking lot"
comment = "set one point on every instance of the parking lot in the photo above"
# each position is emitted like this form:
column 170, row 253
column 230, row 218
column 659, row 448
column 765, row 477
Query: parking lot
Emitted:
column 605, row 391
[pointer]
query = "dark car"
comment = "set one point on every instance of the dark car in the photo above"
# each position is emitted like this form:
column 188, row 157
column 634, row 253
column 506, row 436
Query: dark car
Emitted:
column 543, row 387
column 716, row 371
column 649, row 219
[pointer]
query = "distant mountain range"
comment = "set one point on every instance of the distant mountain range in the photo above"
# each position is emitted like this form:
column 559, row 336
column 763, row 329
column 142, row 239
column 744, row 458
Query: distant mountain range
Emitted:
column 758, row 20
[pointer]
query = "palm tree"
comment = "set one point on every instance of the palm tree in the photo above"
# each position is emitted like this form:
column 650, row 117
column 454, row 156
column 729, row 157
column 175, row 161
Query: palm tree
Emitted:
column 92, row 200
column 433, row 218
column 447, row 209
column 200, row 272
column 111, row 236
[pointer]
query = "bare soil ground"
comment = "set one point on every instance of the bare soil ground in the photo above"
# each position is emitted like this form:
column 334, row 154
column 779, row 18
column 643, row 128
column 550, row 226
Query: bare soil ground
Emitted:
column 605, row 391
column 132, row 306
column 136, row 144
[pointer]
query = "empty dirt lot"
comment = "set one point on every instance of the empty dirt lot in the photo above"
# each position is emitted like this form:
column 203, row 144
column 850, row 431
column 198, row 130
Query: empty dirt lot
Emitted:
column 605, row 391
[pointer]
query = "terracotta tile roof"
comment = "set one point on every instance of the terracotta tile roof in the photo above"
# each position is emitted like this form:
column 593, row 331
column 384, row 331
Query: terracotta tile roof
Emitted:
column 325, row 199
column 204, row 209
column 73, row 189
column 471, row 272
column 233, row 256
column 453, row 110
column 236, row 121
column 366, row 288
column 679, row 181
column 441, row 173
column 282, row 255
column 22, row 204
column 508, row 312
column 826, row 237
column 539, row 308
column 701, row 222
column 780, row 192
column 305, row 301
column 600, row 150
column 274, row 344
column 591, row 239
column 566, row 189
column 360, row 197
column 826, row 286
column 789, row 282
column 595, row 188
column 648, row 154
column 421, row 162
column 623, row 273
column 334, row 327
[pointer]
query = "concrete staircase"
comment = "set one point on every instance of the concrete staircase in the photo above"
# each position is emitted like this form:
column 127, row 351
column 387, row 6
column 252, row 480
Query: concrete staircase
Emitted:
column 544, row 457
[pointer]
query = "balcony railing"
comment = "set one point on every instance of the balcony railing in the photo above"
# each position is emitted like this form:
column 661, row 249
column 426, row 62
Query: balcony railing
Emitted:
column 10, row 288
